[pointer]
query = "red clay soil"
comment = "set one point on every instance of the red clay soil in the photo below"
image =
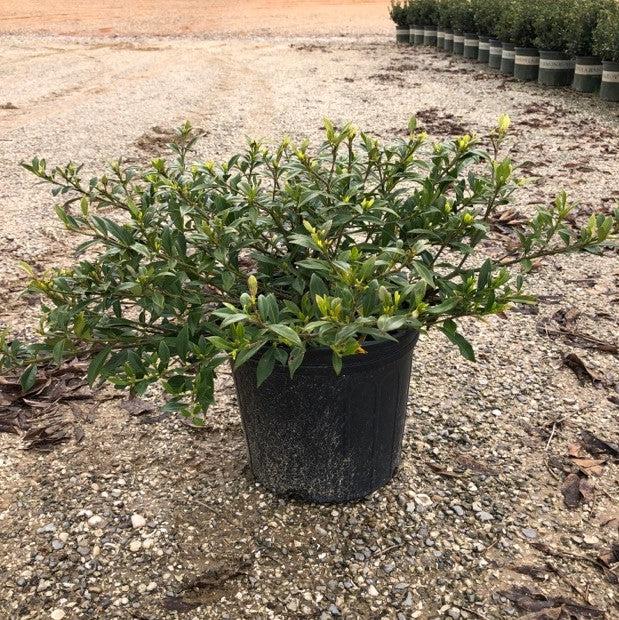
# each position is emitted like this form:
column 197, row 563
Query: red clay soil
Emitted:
column 212, row 18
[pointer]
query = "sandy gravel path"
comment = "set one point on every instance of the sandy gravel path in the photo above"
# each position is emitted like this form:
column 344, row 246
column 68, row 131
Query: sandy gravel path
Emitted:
column 481, row 476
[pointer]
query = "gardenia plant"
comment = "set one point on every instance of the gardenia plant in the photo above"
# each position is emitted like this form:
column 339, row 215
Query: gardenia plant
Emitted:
column 183, row 266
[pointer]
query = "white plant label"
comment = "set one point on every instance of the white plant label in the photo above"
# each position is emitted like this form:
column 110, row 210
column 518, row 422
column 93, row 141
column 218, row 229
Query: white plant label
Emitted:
column 418, row 32
column 546, row 63
column 532, row 61
column 429, row 33
column 484, row 46
column 458, row 38
column 402, row 31
column 471, row 42
column 509, row 55
column 588, row 70
column 610, row 76
column 449, row 36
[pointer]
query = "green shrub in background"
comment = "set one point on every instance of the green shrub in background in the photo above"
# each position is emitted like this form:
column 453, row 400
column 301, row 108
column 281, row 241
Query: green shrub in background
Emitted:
column 464, row 17
column 447, row 12
column 606, row 34
column 398, row 11
column 516, row 23
column 582, row 25
column 423, row 12
column 552, row 21
column 487, row 14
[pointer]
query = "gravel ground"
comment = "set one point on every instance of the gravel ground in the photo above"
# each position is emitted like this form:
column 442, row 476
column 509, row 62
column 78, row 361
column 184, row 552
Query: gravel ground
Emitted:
column 144, row 517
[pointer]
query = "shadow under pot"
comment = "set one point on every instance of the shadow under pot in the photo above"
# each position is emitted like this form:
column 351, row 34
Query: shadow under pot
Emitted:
column 402, row 35
column 555, row 69
column 471, row 46
column 429, row 36
column 526, row 64
column 458, row 48
column 322, row 437
column 483, row 51
column 416, row 36
column 494, row 54
column 448, row 44
column 587, row 74
column 508, row 55
column 440, row 39
column 609, row 90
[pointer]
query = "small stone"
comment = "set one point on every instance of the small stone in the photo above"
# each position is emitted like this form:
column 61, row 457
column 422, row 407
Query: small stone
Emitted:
column 410, row 507
column 496, row 413
column 458, row 510
column 96, row 551
column 334, row 610
column 138, row 521
column 83, row 550
column 372, row 591
column 590, row 540
column 484, row 516
column 58, row 614
column 50, row 527
column 95, row 520
column 454, row 613
column 151, row 586
column 57, row 544
column 423, row 501
column 529, row 532
column 64, row 536
column 135, row 545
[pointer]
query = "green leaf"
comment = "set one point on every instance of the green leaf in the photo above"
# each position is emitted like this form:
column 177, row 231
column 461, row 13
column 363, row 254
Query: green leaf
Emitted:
column 450, row 329
column 295, row 359
column 265, row 366
column 424, row 273
column 287, row 334
column 182, row 342
column 484, row 275
column 28, row 378
column 247, row 353
column 336, row 360
column 95, row 366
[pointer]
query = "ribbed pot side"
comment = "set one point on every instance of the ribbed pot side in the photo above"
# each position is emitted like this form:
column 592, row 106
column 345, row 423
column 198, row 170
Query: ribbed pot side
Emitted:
column 483, row 51
column 494, row 54
column 508, row 56
column 448, row 45
column 327, row 438
column 526, row 64
column 402, row 35
column 555, row 69
column 609, row 90
column 471, row 46
column 587, row 74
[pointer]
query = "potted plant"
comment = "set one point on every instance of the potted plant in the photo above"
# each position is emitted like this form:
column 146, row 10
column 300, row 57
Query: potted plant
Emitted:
column 429, row 19
column 414, row 17
column 515, row 28
column 583, row 22
column 465, row 35
column 398, row 13
column 486, row 14
column 551, row 21
column 312, row 271
column 446, row 11
column 606, row 46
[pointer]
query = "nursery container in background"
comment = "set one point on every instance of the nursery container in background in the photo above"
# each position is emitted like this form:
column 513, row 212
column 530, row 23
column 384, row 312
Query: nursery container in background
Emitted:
column 458, row 48
column 440, row 39
column 483, row 52
column 448, row 44
column 555, row 68
column 416, row 35
column 526, row 64
column 587, row 74
column 508, row 56
column 609, row 90
column 471, row 46
column 402, row 35
column 429, row 36
column 495, row 54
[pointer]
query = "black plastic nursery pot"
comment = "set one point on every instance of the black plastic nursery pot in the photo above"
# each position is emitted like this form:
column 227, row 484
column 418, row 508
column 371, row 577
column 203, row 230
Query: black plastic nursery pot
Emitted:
column 402, row 34
column 555, row 69
column 458, row 48
column 495, row 54
column 326, row 438
column 429, row 36
column 448, row 44
column 508, row 56
column 483, row 51
column 587, row 74
column 526, row 64
column 416, row 36
column 609, row 90
column 440, row 39
column 471, row 46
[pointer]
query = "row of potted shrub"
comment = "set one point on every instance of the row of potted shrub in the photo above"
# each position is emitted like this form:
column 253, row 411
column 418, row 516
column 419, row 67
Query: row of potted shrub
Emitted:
column 554, row 42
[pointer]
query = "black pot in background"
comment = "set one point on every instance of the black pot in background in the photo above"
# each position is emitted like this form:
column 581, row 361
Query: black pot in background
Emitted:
column 324, row 438
column 555, row 69
column 448, row 45
column 526, row 64
column 429, row 36
column 483, row 51
column 458, row 48
column 508, row 56
column 471, row 46
column 416, row 35
column 402, row 34
column 440, row 39
column 609, row 90
column 494, row 54
column 587, row 74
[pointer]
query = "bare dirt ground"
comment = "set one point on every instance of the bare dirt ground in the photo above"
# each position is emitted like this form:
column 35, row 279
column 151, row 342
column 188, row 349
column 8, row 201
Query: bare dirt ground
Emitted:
column 475, row 524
